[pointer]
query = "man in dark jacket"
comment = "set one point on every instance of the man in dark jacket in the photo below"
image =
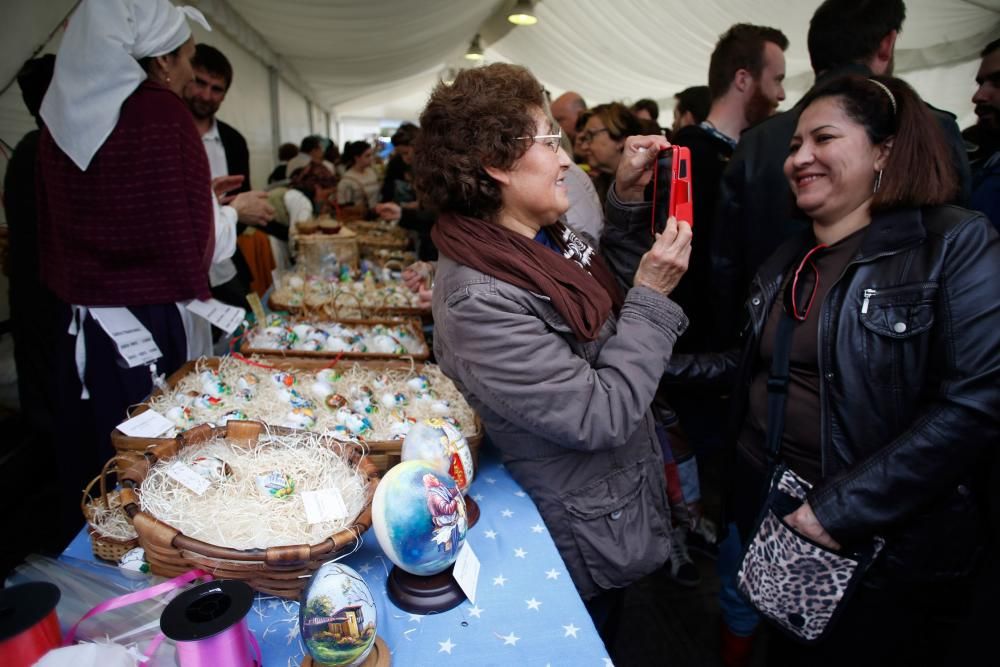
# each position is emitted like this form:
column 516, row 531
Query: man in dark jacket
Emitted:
column 755, row 210
column 986, row 160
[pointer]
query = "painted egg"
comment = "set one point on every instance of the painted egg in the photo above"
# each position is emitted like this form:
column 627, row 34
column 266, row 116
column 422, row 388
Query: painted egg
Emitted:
column 335, row 401
column 180, row 416
column 437, row 441
column 207, row 401
column 302, row 331
column 357, row 424
column 248, row 381
column 382, row 381
column 133, row 563
column 321, row 389
column 282, row 378
column 211, row 468
column 384, row 344
column 337, row 344
column 301, row 418
column 391, row 400
column 418, row 383
column 308, row 345
column 337, row 616
column 329, row 375
column 419, row 517
column 441, row 407
column 399, row 429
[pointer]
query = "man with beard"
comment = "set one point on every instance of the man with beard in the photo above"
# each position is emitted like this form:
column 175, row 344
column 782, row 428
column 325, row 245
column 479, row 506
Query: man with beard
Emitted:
column 745, row 77
column 986, row 160
column 228, row 156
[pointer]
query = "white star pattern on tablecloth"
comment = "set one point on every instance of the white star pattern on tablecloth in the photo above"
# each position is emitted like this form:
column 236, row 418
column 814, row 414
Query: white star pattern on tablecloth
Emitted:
column 490, row 480
column 538, row 528
column 416, row 618
column 476, row 611
column 608, row 663
column 511, row 639
column 478, row 497
column 533, row 604
column 507, row 513
column 520, row 553
column 490, row 534
column 364, row 568
column 520, row 494
column 552, row 574
column 446, row 646
column 499, row 581
column 571, row 630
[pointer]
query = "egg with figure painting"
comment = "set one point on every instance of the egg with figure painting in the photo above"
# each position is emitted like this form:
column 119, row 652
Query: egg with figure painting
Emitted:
column 247, row 382
column 419, row 517
column 439, row 442
column 385, row 344
column 283, row 379
column 180, row 416
column 337, row 616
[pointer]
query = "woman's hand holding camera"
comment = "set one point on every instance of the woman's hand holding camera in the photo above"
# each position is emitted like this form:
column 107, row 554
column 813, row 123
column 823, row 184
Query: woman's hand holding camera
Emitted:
column 662, row 267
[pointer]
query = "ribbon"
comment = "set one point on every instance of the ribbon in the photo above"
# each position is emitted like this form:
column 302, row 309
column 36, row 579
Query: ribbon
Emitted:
column 230, row 648
column 25, row 648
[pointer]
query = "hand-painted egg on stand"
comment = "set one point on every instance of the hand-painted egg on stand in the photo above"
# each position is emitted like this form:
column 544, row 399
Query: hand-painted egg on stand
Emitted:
column 439, row 442
column 419, row 519
column 338, row 618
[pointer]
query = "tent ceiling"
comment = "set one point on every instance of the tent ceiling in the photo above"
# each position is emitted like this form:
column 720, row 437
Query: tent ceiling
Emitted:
column 381, row 57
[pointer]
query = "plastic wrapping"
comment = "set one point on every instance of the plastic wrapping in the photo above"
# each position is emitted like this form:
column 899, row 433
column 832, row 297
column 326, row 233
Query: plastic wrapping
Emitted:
column 84, row 585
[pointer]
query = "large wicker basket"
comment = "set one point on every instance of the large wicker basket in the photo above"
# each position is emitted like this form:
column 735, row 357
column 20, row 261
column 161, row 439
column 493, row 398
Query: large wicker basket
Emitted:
column 281, row 571
column 313, row 251
column 383, row 454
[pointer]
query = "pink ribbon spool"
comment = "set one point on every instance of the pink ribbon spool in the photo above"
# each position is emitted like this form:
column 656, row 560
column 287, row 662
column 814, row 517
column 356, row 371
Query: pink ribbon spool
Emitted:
column 208, row 625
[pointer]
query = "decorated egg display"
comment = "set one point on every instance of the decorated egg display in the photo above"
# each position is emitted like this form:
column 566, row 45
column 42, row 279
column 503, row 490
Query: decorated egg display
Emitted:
column 337, row 616
column 397, row 338
column 419, row 517
column 440, row 443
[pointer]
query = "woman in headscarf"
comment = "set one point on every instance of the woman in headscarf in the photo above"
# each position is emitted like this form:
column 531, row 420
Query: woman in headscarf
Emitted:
column 126, row 217
column 531, row 326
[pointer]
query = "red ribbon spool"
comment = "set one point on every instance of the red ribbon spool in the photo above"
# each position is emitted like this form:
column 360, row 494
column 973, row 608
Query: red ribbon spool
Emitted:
column 29, row 627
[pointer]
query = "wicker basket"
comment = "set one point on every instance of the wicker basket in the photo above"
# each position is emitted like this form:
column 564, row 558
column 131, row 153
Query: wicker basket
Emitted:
column 313, row 251
column 104, row 547
column 281, row 571
column 383, row 454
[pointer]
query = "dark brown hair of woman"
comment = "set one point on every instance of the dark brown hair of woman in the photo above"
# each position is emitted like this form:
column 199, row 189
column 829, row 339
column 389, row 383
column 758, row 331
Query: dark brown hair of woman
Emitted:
column 481, row 120
column 919, row 171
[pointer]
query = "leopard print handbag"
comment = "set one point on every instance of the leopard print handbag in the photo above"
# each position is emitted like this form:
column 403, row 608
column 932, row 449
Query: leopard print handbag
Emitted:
column 797, row 584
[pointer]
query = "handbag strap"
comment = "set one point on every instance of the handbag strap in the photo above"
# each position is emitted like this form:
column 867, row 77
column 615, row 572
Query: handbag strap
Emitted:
column 777, row 389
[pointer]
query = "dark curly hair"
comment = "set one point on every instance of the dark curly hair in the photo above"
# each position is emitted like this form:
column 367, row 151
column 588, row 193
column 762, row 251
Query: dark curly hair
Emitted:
column 468, row 126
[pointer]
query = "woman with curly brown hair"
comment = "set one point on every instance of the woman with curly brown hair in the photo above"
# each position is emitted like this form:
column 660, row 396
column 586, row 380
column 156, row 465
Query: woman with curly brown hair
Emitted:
column 530, row 324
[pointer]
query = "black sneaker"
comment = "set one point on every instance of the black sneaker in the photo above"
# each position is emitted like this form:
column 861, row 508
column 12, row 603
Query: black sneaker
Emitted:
column 703, row 539
column 679, row 567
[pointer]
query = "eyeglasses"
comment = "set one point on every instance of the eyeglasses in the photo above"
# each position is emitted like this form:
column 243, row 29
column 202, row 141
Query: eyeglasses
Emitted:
column 803, row 287
column 553, row 141
column 588, row 136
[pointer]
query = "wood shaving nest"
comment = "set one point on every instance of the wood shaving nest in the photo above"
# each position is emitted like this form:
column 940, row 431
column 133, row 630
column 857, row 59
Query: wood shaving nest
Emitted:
column 266, row 400
column 110, row 521
column 235, row 513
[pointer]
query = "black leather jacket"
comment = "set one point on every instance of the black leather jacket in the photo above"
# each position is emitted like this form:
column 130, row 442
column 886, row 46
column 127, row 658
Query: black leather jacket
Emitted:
column 909, row 341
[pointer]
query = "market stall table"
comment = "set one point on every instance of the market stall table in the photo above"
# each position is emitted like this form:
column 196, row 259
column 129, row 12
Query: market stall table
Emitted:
column 527, row 610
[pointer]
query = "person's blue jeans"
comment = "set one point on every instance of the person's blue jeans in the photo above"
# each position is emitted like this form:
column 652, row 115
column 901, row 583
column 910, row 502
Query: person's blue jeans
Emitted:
column 737, row 613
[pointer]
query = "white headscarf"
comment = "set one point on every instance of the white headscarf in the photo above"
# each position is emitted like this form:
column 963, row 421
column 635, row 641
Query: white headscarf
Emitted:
column 97, row 67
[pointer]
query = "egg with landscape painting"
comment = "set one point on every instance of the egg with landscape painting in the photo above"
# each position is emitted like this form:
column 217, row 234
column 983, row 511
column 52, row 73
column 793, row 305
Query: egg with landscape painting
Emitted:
column 337, row 616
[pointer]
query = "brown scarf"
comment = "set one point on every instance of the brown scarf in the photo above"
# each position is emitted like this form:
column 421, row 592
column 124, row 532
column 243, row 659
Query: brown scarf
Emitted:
column 581, row 286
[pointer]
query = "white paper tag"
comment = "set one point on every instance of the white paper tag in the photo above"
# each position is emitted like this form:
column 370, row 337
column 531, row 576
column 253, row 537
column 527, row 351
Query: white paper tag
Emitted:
column 221, row 315
column 148, row 424
column 466, row 571
column 133, row 340
column 324, row 505
column 188, row 477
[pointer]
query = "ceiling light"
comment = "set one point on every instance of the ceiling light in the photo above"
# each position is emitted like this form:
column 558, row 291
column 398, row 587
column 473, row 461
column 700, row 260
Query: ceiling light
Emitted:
column 475, row 51
column 522, row 14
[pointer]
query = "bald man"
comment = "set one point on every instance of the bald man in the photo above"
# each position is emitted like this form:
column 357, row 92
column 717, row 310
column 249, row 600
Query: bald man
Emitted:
column 566, row 109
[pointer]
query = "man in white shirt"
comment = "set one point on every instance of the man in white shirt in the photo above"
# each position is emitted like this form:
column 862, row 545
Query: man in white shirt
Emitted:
column 229, row 157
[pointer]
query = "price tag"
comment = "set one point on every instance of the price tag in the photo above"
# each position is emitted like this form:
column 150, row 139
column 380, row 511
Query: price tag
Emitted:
column 221, row 315
column 133, row 340
column 324, row 505
column 257, row 307
column 183, row 473
column 466, row 571
column 148, row 424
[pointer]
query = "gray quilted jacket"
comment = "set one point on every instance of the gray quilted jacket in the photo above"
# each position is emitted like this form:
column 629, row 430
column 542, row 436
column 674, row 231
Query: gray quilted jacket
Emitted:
column 571, row 420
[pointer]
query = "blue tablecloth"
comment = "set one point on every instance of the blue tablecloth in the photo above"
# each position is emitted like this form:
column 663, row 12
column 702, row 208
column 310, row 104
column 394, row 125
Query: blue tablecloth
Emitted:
column 527, row 610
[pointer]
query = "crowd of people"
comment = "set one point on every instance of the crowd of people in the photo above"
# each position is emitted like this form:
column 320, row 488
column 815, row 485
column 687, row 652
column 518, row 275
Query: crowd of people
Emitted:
column 829, row 312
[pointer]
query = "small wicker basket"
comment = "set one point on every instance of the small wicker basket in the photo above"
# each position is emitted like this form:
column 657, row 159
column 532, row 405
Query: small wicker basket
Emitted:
column 104, row 546
column 282, row 571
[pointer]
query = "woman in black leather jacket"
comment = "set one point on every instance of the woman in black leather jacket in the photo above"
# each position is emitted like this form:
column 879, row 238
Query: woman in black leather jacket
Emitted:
column 893, row 401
